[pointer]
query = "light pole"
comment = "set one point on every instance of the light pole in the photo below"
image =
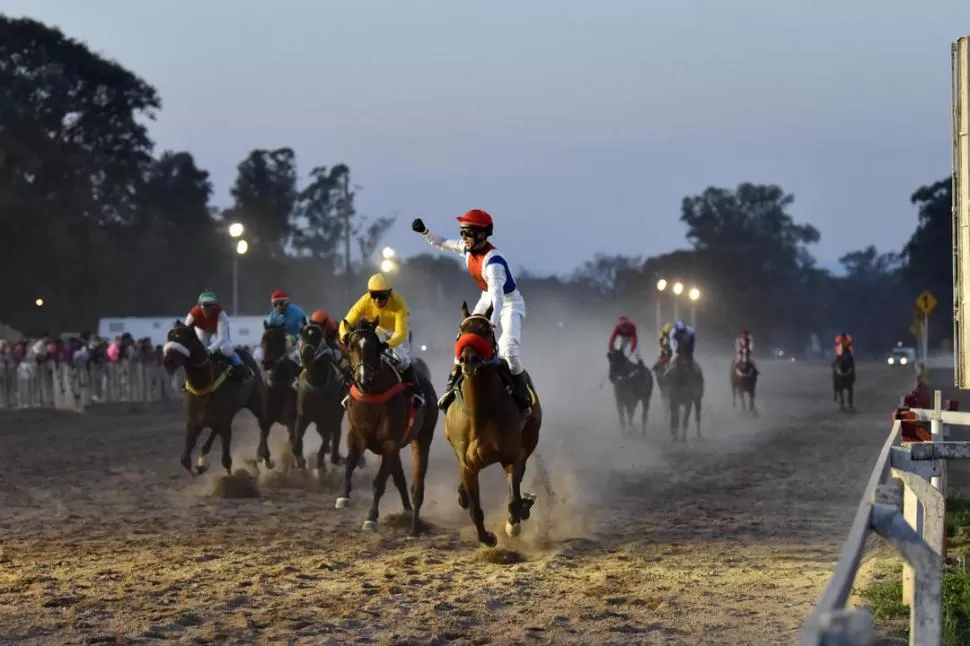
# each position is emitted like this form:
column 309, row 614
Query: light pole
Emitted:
column 694, row 295
column 661, row 286
column 678, row 290
column 236, row 229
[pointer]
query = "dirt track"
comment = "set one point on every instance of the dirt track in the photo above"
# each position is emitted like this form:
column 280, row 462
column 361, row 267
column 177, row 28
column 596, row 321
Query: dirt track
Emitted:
column 641, row 542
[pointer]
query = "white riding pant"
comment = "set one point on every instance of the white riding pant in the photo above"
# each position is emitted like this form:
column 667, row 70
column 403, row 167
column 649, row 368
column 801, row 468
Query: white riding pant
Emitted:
column 627, row 348
column 401, row 352
column 216, row 344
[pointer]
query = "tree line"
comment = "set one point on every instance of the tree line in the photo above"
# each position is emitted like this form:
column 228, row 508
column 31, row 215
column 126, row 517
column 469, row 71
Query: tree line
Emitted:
column 97, row 222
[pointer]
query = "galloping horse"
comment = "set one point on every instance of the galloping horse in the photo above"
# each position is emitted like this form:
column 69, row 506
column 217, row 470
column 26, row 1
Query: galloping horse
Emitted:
column 210, row 400
column 686, row 389
column 281, row 373
column 632, row 385
column 384, row 420
column 663, row 382
column 843, row 379
column 318, row 397
column 484, row 425
column 744, row 379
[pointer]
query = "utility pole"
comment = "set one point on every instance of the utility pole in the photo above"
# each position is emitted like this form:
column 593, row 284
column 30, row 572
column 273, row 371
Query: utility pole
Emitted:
column 346, row 206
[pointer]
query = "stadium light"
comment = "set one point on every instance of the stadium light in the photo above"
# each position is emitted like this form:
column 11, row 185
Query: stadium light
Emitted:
column 678, row 288
column 236, row 229
column 661, row 284
column 242, row 247
column 388, row 265
column 694, row 293
column 39, row 302
column 387, row 253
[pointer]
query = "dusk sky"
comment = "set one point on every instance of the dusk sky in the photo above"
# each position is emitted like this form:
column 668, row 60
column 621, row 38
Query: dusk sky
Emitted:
column 578, row 125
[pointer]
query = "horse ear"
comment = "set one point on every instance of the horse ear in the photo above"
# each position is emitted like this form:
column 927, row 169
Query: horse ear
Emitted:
column 488, row 312
column 464, row 310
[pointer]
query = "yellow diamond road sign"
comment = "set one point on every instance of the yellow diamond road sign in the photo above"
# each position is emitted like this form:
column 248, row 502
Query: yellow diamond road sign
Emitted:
column 926, row 302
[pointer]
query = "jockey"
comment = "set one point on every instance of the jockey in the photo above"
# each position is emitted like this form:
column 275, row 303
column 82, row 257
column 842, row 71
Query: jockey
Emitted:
column 211, row 325
column 664, row 340
column 744, row 347
column 330, row 334
column 383, row 304
column 843, row 342
column 682, row 342
column 290, row 317
column 490, row 271
column 626, row 332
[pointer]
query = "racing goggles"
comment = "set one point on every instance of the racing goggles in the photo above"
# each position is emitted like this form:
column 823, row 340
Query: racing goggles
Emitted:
column 279, row 303
column 380, row 296
column 469, row 232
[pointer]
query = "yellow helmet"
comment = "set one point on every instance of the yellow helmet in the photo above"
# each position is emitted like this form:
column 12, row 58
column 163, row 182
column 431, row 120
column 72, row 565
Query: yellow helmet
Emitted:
column 667, row 328
column 378, row 283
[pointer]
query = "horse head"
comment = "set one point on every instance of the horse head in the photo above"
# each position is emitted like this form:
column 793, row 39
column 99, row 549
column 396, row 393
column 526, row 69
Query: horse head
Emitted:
column 620, row 366
column 273, row 345
column 476, row 340
column 364, row 348
column 312, row 340
column 182, row 347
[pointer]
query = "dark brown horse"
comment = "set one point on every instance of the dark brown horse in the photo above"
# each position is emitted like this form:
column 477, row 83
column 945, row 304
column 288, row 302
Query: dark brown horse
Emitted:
column 280, row 404
column 843, row 379
column 319, row 390
column 686, row 391
column 210, row 400
column 383, row 419
column 485, row 426
column 744, row 379
column 632, row 386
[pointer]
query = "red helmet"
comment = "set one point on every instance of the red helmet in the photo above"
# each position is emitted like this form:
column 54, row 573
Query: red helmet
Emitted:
column 476, row 219
column 744, row 331
column 320, row 317
column 279, row 295
column 623, row 319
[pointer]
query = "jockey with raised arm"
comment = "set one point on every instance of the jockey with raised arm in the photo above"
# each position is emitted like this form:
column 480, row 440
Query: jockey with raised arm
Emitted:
column 390, row 310
column 682, row 343
column 211, row 324
column 290, row 317
column 490, row 271
column 743, row 348
column 843, row 343
column 624, row 338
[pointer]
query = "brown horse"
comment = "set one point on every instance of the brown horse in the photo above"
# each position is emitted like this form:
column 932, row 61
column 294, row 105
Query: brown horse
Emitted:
column 319, row 391
column 383, row 418
column 211, row 400
column 484, row 425
column 280, row 404
column 744, row 379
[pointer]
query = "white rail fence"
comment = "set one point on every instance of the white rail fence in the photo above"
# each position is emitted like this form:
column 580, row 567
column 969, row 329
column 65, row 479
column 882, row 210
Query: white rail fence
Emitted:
column 68, row 387
column 904, row 503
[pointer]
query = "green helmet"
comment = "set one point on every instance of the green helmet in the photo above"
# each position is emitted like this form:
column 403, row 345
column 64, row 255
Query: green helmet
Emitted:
column 208, row 297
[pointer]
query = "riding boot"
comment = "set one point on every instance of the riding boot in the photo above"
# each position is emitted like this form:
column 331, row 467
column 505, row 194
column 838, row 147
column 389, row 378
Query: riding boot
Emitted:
column 520, row 392
column 408, row 377
column 450, row 387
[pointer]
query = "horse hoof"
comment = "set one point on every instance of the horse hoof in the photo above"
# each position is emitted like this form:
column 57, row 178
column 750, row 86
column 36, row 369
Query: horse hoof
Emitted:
column 488, row 539
column 268, row 462
column 342, row 502
column 202, row 462
column 369, row 525
column 462, row 501
column 319, row 473
column 512, row 531
column 413, row 537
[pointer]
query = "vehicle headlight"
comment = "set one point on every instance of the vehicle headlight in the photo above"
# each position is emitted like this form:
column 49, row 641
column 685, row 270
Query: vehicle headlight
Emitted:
column 891, row 361
column 902, row 361
column 424, row 348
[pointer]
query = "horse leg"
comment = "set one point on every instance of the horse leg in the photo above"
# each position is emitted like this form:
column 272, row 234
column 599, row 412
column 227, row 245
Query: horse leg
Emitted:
column 262, row 453
column 644, row 413
column 225, row 440
column 296, row 440
column 419, row 470
column 851, row 396
column 387, row 467
column 514, row 473
column 192, row 432
column 401, row 484
column 620, row 412
column 685, row 421
column 469, row 479
column 697, row 417
column 334, row 428
column 734, row 396
column 674, row 418
column 202, row 464
column 354, row 452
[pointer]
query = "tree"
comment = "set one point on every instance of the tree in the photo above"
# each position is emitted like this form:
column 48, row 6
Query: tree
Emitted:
column 607, row 274
column 265, row 194
column 929, row 253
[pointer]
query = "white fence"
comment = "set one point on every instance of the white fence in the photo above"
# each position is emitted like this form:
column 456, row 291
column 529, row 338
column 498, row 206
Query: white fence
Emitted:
column 908, row 511
column 67, row 387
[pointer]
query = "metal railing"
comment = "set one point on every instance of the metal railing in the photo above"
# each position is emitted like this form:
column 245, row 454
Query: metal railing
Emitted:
column 905, row 503
column 68, row 387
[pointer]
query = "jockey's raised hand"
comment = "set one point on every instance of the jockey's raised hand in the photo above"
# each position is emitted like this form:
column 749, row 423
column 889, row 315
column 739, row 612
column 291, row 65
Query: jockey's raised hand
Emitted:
column 417, row 225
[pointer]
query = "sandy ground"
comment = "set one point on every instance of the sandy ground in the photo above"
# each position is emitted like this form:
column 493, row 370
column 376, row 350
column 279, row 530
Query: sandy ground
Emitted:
column 638, row 541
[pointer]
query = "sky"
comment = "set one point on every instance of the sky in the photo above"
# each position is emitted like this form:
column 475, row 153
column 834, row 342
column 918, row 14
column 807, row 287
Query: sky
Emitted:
column 579, row 126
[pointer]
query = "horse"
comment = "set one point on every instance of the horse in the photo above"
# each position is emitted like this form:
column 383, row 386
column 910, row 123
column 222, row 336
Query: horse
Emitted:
column 210, row 400
column 686, row 389
column 744, row 379
column 318, row 395
column 632, row 385
column 484, row 425
column 843, row 379
column 383, row 418
column 281, row 375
